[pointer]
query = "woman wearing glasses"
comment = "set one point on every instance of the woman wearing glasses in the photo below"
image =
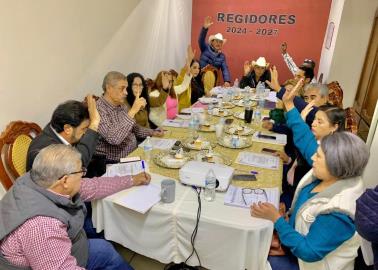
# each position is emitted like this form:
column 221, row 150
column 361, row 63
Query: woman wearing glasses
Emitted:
column 137, row 88
column 324, row 201
column 321, row 233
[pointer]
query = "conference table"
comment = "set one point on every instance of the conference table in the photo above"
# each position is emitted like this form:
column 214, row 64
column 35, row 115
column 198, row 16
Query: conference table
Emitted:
column 227, row 238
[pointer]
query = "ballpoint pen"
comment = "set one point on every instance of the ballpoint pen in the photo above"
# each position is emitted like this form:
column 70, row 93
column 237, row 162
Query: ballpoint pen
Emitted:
column 246, row 171
column 144, row 169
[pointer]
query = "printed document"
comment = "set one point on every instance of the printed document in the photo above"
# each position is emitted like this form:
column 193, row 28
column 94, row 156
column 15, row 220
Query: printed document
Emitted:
column 258, row 160
column 129, row 168
column 245, row 197
column 162, row 144
column 141, row 198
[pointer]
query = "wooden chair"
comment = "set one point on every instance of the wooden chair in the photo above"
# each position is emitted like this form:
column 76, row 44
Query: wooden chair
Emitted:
column 210, row 78
column 336, row 94
column 336, row 98
column 14, row 144
column 351, row 123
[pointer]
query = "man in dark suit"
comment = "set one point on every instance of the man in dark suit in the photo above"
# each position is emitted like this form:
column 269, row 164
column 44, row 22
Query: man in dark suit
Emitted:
column 72, row 123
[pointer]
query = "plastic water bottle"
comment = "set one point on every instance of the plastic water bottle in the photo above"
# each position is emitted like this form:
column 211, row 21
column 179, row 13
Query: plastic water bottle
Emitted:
column 210, row 184
column 210, row 108
column 147, row 149
column 197, row 121
column 193, row 126
column 257, row 116
column 260, row 89
column 236, row 83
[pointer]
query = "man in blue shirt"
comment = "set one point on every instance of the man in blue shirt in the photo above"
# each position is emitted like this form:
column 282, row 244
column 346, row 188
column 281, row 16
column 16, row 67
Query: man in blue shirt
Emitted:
column 212, row 58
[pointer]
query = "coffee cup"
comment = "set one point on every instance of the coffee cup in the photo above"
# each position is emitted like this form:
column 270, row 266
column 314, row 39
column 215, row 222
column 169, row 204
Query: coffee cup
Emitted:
column 168, row 190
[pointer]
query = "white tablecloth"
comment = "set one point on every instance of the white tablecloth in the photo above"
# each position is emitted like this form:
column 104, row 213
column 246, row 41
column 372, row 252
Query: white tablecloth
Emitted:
column 228, row 237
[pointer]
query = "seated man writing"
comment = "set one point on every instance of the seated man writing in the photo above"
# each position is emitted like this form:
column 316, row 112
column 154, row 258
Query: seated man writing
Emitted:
column 212, row 57
column 118, row 128
column 44, row 229
column 72, row 123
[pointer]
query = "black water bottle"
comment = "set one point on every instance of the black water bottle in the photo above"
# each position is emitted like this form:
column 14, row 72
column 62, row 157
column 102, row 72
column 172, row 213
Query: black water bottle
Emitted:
column 248, row 112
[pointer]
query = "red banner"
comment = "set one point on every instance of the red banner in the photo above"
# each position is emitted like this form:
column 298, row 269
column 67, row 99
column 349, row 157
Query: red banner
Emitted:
column 255, row 28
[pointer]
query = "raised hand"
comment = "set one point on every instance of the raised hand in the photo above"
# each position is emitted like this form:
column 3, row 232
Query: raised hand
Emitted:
column 247, row 67
column 165, row 80
column 273, row 83
column 307, row 110
column 94, row 116
column 283, row 47
column 190, row 53
column 208, row 22
column 288, row 97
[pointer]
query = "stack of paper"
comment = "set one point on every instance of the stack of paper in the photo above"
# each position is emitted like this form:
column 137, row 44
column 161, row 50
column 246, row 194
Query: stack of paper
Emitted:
column 258, row 160
column 141, row 198
column 272, row 97
column 273, row 138
column 193, row 110
column 176, row 123
column 129, row 168
column 245, row 197
column 158, row 143
column 207, row 100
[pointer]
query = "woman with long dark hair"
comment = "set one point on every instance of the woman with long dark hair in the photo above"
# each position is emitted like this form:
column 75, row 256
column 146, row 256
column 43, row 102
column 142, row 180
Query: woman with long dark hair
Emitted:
column 137, row 87
column 187, row 86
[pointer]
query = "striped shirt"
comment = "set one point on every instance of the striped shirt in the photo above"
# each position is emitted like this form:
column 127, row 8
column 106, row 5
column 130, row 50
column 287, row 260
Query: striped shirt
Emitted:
column 42, row 242
column 292, row 66
column 118, row 131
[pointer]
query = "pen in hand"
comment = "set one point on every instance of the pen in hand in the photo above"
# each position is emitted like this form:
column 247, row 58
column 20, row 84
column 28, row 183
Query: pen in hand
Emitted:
column 144, row 169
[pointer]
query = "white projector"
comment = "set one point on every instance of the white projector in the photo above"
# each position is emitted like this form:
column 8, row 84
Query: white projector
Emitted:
column 194, row 173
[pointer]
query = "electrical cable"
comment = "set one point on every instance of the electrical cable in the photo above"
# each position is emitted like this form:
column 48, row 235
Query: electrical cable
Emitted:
column 194, row 234
column 184, row 266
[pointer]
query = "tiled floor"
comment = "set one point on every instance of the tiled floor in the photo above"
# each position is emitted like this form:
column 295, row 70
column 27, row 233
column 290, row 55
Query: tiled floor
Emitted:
column 140, row 262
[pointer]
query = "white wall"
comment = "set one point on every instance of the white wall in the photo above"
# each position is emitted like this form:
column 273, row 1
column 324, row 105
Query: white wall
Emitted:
column 327, row 54
column 52, row 50
column 46, row 46
column 153, row 38
column 350, row 46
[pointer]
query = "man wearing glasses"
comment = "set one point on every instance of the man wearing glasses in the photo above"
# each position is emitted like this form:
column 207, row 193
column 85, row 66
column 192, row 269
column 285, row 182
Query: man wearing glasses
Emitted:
column 44, row 229
column 118, row 128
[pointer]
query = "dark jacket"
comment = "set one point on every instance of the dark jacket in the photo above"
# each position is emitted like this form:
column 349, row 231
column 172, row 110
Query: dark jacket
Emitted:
column 300, row 104
column 366, row 219
column 86, row 146
column 26, row 200
column 197, row 89
column 210, row 57
column 250, row 79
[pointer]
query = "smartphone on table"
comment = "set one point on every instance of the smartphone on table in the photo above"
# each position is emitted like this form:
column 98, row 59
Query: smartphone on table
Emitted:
column 268, row 151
